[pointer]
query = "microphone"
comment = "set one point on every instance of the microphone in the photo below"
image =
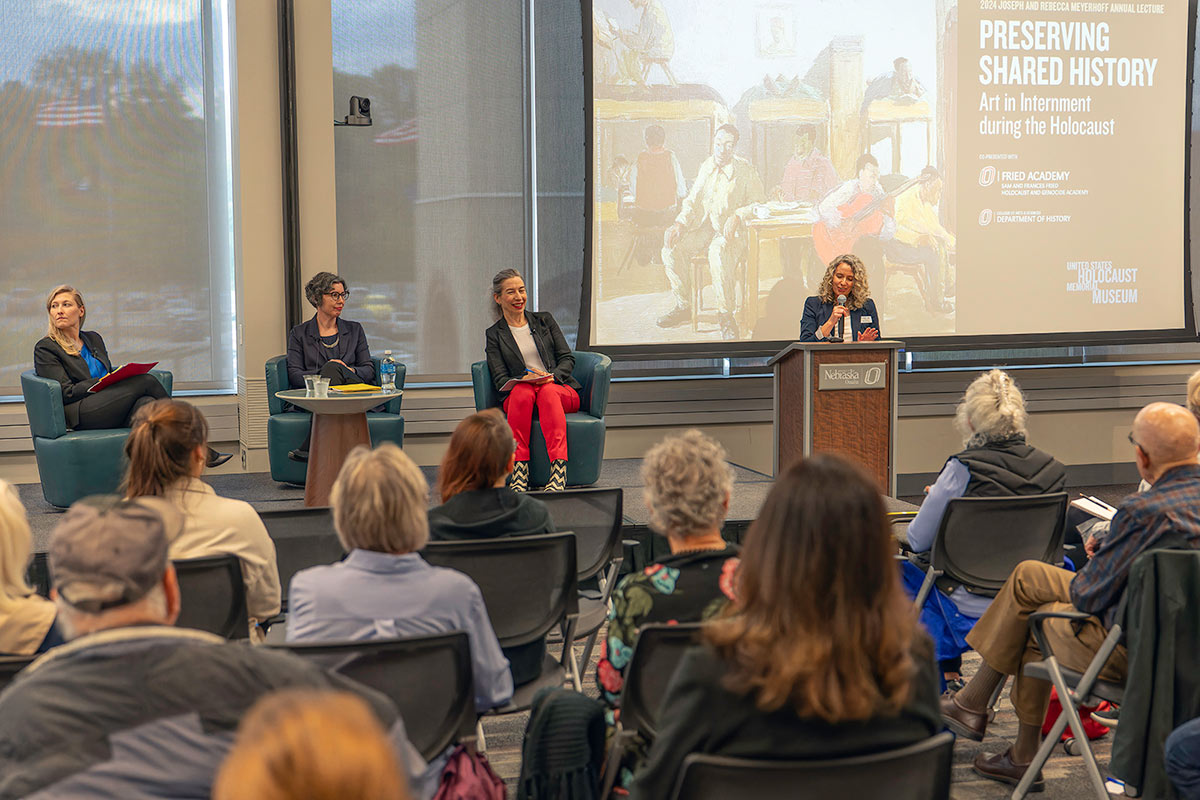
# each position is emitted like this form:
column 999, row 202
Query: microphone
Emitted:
column 841, row 326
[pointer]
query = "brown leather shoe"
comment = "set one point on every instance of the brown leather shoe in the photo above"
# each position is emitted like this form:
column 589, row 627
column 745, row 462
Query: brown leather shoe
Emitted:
column 1000, row 767
column 971, row 724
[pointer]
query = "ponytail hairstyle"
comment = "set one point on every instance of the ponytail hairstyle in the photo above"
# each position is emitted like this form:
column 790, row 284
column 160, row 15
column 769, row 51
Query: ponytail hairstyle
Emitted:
column 165, row 434
column 54, row 333
column 991, row 409
column 480, row 450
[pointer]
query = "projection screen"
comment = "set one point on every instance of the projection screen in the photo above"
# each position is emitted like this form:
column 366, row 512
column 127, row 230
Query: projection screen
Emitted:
column 1002, row 167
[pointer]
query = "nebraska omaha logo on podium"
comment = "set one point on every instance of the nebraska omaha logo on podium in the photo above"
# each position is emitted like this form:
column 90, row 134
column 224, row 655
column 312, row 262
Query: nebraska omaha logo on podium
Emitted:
column 867, row 375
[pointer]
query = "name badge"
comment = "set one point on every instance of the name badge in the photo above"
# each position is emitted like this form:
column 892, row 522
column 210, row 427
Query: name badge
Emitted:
column 864, row 318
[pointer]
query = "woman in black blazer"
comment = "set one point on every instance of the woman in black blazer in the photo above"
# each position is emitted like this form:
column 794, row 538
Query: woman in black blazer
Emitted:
column 327, row 345
column 78, row 359
column 529, row 346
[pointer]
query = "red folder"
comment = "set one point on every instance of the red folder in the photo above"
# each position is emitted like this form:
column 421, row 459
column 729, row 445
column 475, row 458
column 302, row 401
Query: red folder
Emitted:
column 121, row 373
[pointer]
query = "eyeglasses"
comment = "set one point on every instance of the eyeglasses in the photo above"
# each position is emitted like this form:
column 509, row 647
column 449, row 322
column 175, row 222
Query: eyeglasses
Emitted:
column 1135, row 442
column 338, row 295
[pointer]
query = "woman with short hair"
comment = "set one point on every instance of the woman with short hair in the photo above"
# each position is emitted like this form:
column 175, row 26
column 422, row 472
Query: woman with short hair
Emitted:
column 688, row 484
column 165, row 451
column 476, row 502
column 383, row 588
column 327, row 345
column 818, row 655
column 530, row 347
column 845, row 277
column 27, row 620
column 995, row 461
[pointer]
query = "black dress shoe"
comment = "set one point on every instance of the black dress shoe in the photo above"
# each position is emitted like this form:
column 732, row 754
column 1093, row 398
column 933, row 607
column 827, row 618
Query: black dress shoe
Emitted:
column 216, row 459
column 298, row 455
column 1000, row 767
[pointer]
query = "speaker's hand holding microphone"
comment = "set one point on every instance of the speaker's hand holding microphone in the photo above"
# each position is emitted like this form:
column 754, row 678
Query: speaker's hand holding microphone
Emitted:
column 837, row 320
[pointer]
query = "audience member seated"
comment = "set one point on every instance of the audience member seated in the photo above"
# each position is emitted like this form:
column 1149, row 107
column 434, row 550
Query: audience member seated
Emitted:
column 476, row 502
column 166, row 451
column 688, row 485
column 300, row 744
column 1182, row 751
column 1166, row 439
column 819, row 655
column 995, row 462
column 132, row 706
column 26, row 620
column 384, row 589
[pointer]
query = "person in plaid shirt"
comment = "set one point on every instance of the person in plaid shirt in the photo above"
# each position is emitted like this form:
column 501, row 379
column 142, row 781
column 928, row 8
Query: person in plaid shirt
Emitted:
column 1166, row 440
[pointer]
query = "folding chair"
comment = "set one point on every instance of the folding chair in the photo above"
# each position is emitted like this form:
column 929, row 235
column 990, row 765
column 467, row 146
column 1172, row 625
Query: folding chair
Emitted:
column 529, row 587
column 10, row 666
column 38, row 574
column 656, row 654
column 1079, row 689
column 213, row 596
column 304, row 537
column 917, row 772
column 429, row 678
column 595, row 516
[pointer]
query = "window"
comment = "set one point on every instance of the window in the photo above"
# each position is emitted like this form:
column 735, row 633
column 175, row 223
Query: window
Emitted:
column 116, row 180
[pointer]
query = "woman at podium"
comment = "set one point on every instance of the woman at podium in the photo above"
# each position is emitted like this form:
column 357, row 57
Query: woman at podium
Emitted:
column 854, row 318
column 78, row 359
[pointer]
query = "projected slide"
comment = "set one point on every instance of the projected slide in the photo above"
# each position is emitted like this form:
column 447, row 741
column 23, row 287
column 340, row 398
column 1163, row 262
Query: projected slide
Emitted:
column 1000, row 166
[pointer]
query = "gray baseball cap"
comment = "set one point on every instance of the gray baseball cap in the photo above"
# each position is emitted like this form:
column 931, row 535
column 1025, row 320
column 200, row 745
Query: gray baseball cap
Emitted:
column 107, row 552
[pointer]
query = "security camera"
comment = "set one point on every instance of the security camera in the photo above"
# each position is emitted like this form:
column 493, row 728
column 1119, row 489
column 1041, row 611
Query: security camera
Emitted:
column 360, row 111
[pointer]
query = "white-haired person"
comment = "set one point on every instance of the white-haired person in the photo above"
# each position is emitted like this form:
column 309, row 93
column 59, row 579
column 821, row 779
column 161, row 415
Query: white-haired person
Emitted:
column 383, row 589
column 27, row 620
column 995, row 461
column 688, row 487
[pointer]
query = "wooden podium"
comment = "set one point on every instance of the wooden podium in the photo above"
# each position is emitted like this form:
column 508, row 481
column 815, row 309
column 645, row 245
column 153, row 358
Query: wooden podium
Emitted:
column 838, row 398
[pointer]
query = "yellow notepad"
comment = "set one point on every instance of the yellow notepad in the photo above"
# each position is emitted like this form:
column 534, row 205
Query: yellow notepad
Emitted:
column 354, row 387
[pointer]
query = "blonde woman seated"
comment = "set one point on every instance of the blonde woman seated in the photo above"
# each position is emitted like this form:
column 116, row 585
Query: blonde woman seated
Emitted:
column 476, row 502
column 166, row 451
column 27, row 621
column 306, row 744
column 688, row 485
column 818, row 655
column 995, row 461
column 384, row 589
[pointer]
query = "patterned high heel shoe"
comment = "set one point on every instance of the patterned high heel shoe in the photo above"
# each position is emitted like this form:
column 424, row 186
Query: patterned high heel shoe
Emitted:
column 518, row 479
column 558, row 476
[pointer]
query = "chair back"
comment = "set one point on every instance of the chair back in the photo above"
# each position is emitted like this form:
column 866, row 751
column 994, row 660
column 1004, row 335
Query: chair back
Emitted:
column 10, row 666
column 213, row 596
column 528, row 583
column 656, row 654
column 917, row 772
column 38, row 573
column 592, row 370
column 429, row 678
column 303, row 537
column 982, row 539
column 277, row 381
column 595, row 516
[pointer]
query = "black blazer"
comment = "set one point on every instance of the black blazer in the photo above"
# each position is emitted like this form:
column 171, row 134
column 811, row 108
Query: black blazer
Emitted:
column 306, row 354
column 816, row 313
column 51, row 361
column 504, row 357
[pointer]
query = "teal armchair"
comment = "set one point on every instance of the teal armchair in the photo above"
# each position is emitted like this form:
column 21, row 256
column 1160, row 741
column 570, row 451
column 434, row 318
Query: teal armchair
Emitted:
column 585, row 428
column 73, row 464
column 286, row 430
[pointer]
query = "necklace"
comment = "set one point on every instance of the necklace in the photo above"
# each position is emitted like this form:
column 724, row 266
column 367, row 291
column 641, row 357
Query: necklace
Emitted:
column 332, row 344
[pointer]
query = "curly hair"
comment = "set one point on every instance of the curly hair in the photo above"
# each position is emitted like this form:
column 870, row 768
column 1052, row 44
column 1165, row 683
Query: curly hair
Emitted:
column 321, row 283
column 991, row 409
column 687, row 484
column 1193, row 394
column 861, row 290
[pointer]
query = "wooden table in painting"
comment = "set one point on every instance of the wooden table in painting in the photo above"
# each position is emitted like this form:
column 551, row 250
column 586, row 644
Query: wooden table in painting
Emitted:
column 339, row 424
column 779, row 225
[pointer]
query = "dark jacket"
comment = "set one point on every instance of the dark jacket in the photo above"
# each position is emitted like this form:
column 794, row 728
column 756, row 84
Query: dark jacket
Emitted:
column 1162, row 687
column 816, row 312
column 51, row 361
column 148, row 712
column 701, row 716
column 1010, row 466
column 563, row 750
column 504, row 357
column 306, row 354
column 487, row 514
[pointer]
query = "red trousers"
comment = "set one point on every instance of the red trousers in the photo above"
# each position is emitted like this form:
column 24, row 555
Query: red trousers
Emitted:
column 553, row 402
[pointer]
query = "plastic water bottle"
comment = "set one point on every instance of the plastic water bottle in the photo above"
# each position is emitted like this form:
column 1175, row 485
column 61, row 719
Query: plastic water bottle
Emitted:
column 387, row 373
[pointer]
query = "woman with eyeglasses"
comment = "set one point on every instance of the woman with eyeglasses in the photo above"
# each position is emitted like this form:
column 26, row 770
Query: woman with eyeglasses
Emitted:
column 327, row 345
